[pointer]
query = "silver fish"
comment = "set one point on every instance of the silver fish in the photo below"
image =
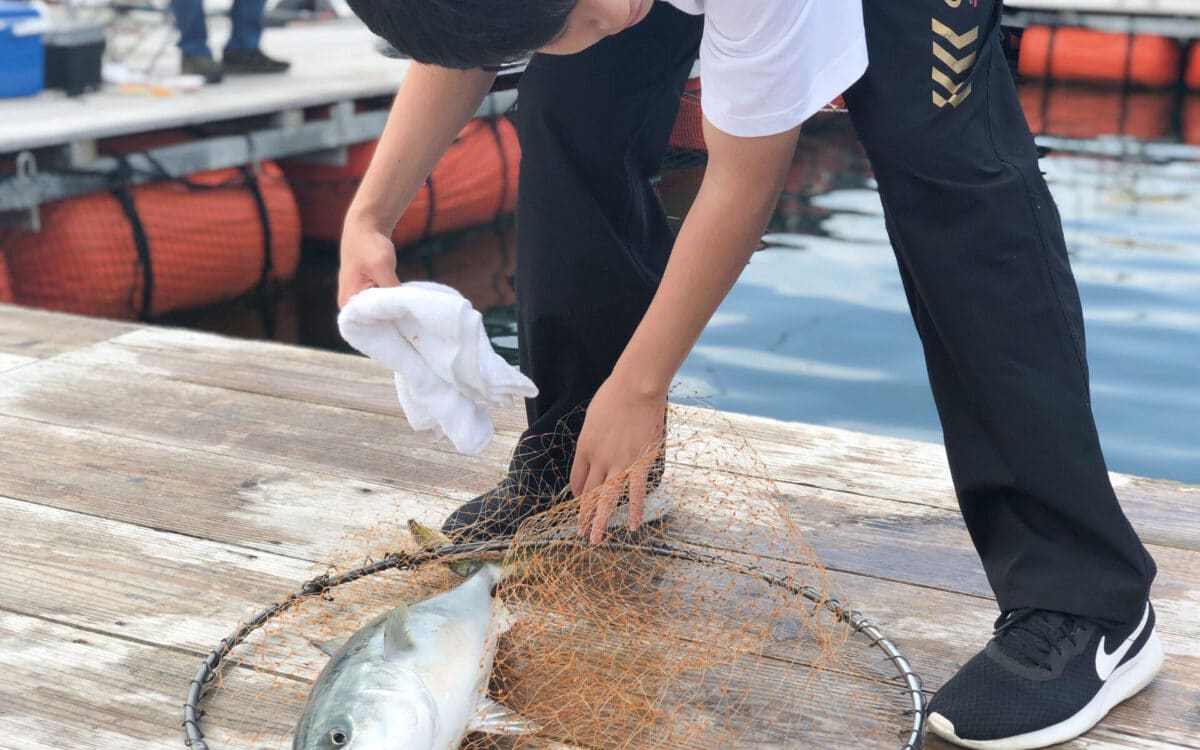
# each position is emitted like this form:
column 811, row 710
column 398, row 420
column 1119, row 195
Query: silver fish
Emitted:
column 416, row 677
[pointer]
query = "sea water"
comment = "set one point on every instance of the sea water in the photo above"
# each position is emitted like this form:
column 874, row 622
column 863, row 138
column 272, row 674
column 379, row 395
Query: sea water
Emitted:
column 817, row 328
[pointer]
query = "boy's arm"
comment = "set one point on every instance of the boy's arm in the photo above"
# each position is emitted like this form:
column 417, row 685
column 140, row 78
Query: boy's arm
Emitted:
column 432, row 106
column 741, row 186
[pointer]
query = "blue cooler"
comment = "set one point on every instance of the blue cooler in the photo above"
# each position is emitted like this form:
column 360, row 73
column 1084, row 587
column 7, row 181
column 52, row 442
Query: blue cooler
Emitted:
column 22, row 58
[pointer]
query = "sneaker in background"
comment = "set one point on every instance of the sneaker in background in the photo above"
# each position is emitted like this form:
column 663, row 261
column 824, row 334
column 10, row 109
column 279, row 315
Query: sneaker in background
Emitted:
column 251, row 62
column 200, row 65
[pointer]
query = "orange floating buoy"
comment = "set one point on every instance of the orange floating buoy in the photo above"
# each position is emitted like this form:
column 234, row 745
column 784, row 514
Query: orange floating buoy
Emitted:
column 1191, row 120
column 474, row 183
column 687, row 134
column 1074, row 112
column 479, row 264
column 1063, row 53
column 6, row 293
column 159, row 247
column 688, row 131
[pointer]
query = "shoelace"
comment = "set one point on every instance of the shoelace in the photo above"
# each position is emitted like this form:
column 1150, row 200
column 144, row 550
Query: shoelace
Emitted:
column 1033, row 636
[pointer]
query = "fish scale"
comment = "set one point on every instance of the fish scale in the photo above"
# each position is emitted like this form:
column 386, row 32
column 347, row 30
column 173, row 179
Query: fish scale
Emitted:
column 414, row 678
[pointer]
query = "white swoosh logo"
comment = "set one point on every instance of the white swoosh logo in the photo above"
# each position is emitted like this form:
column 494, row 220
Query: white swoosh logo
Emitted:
column 1106, row 662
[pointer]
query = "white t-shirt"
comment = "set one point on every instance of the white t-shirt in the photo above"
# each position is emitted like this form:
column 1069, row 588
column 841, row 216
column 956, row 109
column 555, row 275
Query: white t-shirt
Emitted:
column 769, row 65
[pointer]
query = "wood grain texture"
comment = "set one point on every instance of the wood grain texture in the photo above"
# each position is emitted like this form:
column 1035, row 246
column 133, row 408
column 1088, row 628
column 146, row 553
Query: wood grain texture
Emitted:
column 159, row 485
column 13, row 361
column 1165, row 513
column 375, row 454
column 69, row 688
column 162, row 590
column 27, row 332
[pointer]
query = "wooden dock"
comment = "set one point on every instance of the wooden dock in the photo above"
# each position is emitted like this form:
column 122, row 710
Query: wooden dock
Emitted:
column 159, row 485
column 331, row 61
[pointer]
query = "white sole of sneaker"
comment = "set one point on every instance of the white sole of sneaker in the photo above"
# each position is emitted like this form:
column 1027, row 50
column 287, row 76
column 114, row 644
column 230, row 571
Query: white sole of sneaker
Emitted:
column 1124, row 683
column 658, row 504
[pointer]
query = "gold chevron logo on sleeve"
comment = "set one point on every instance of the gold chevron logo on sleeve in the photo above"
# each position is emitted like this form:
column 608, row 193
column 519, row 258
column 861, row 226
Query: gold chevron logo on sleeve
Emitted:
column 958, row 40
column 952, row 62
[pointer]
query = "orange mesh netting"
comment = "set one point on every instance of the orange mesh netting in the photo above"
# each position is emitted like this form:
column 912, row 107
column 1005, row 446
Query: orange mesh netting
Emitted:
column 688, row 132
column 157, row 247
column 474, row 183
column 6, row 294
column 620, row 646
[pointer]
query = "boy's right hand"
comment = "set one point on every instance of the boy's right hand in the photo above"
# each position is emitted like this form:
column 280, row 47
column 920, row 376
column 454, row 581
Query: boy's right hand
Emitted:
column 368, row 259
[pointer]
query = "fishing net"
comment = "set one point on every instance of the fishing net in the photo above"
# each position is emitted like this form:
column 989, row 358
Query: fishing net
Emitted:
column 714, row 627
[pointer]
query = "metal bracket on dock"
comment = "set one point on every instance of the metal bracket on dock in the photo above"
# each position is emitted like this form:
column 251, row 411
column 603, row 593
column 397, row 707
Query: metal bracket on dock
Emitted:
column 290, row 136
column 24, row 183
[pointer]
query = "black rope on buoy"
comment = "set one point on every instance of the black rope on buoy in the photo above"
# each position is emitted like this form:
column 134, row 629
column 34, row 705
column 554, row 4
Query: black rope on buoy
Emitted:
column 194, row 735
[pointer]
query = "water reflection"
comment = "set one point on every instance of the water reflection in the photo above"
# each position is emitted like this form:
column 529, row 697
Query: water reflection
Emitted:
column 818, row 330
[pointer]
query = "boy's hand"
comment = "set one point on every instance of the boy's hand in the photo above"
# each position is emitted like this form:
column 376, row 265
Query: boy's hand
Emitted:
column 368, row 259
column 618, row 445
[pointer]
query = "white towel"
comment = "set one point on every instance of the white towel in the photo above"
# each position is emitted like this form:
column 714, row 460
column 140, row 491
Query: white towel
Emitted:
column 447, row 373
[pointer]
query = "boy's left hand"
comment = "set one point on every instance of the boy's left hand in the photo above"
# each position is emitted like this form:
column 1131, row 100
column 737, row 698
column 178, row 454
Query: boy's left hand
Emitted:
column 617, row 447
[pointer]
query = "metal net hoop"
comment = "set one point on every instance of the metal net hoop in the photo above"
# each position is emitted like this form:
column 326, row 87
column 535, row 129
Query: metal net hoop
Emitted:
column 859, row 625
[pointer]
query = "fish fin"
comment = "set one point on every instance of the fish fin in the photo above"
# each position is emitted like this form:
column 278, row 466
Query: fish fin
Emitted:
column 396, row 637
column 492, row 718
column 429, row 539
column 426, row 537
column 329, row 648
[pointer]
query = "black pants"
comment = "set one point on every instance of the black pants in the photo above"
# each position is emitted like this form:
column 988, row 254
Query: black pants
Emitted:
column 977, row 238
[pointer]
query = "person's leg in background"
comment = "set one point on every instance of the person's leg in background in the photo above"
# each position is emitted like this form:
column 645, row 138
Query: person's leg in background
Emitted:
column 193, row 40
column 242, row 54
column 592, row 238
column 981, row 252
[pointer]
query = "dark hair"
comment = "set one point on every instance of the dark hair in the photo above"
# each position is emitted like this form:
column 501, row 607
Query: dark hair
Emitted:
column 465, row 33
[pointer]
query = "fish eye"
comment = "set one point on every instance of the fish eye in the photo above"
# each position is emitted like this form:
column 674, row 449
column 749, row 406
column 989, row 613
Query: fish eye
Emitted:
column 339, row 737
column 495, row 589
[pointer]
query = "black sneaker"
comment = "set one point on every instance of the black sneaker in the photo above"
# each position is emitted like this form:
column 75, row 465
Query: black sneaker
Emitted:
column 499, row 512
column 202, row 66
column 1044, row 678
column 251, row 62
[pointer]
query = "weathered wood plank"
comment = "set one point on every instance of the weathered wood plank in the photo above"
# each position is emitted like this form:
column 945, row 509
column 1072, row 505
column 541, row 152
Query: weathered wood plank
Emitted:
column 297, row 456
column 230, row 499
column 13, row 361
column 1167, row 513
column 829, row 458
column 184, row 593
column 331, row 62
column 180, row 452
column 133, row 582
column 924, row 544
column 93, row 389
column 34, row 333
column 259, row 468
column 65, row 687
